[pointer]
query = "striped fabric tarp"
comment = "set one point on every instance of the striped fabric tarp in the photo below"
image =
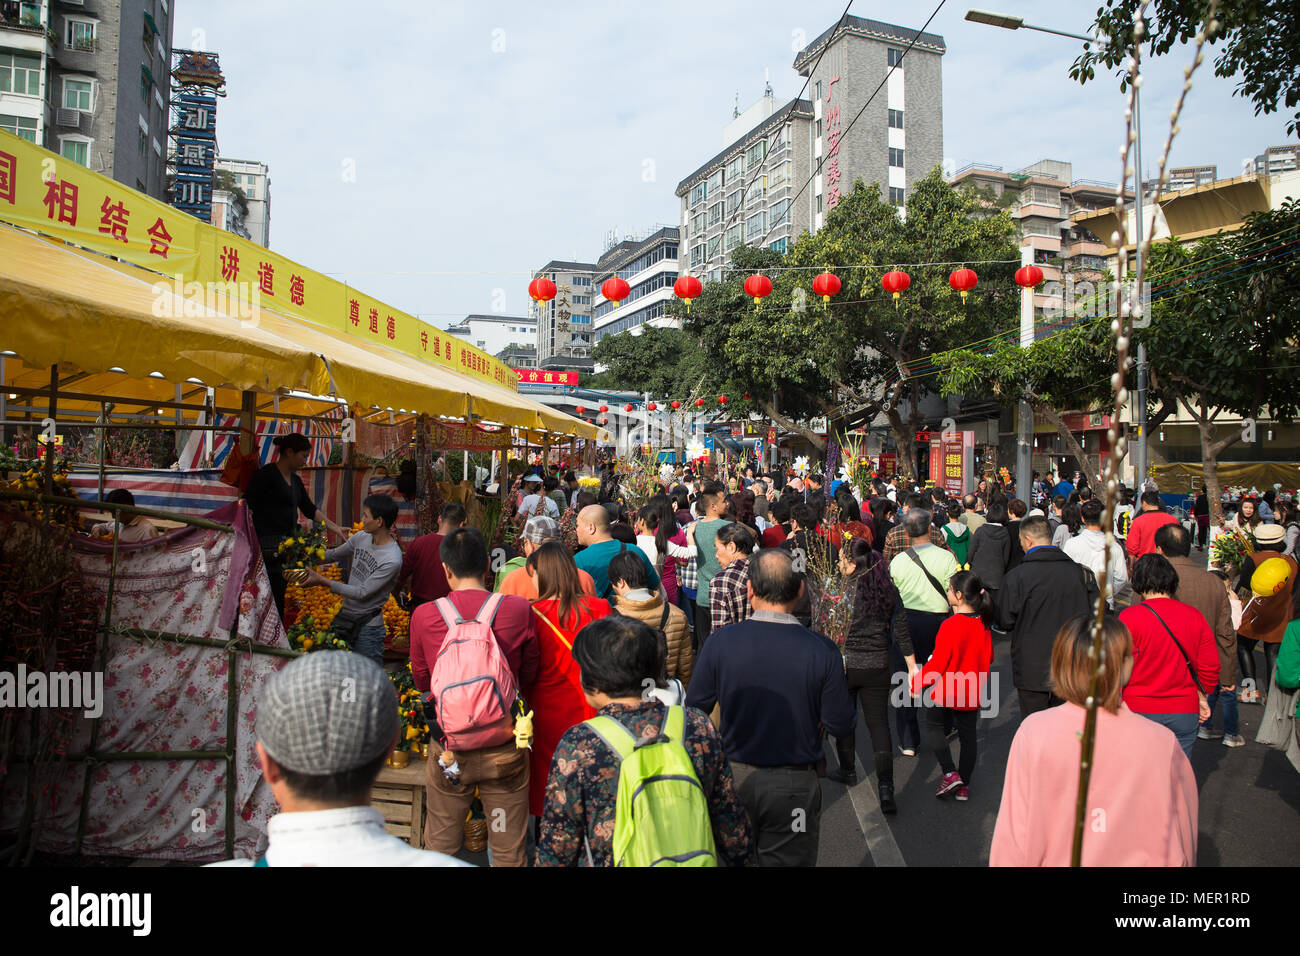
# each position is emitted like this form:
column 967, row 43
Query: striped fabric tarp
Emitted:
column 321, row 431
column 407, row 528
column 194, row 493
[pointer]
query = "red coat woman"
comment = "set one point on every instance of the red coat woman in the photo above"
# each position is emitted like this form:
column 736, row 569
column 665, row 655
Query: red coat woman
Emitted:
column 556, row 697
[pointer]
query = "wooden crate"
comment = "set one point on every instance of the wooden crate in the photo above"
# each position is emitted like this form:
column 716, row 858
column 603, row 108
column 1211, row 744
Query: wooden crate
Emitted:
column 399, row 796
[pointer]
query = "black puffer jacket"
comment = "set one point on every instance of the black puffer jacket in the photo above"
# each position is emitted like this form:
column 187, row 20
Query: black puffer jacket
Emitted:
column 990, row 553
column 1043, row 592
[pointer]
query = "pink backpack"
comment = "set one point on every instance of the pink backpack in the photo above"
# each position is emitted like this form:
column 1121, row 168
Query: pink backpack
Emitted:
column 472, row 685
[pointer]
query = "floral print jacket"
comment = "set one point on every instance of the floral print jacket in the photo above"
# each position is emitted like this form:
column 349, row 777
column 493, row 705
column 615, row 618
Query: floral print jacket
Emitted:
column 583, row 787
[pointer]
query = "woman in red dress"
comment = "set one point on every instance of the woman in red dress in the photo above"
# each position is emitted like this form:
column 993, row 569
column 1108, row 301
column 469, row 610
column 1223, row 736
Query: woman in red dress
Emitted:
column 556, row 696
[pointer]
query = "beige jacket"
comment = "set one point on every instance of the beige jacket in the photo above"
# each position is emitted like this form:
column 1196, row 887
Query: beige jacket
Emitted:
column 676, row 631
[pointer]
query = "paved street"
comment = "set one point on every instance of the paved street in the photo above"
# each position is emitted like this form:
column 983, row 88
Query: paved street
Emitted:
column 1248, row 815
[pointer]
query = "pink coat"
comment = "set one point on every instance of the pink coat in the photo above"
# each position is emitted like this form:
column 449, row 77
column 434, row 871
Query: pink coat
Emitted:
column 1142, row 799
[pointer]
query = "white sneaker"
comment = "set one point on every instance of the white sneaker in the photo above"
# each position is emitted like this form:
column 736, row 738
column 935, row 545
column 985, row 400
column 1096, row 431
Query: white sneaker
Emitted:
column 908, row 751
column 1234, row 740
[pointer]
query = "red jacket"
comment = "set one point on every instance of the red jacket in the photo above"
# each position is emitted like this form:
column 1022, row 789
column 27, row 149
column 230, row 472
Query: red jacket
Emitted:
column 422, row 566
column 515, row 628
column 1161, row 683
column 1142, row 533
column 958, row 669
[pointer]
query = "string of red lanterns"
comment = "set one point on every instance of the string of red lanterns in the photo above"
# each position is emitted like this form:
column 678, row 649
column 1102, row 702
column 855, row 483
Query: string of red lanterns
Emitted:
column 758, row 286
column 826, row 285
column 541, row 289
column 615, row 290
column 687, row 288
column 1029, row 277
column 963, row 280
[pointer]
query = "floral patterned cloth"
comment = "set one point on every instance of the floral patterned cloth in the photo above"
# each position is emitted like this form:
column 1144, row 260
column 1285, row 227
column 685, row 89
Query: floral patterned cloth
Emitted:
column 169, row 697
column 583, row 787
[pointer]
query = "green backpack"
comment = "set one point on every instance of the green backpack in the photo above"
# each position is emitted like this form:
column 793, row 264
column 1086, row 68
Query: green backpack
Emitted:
column 661, row 817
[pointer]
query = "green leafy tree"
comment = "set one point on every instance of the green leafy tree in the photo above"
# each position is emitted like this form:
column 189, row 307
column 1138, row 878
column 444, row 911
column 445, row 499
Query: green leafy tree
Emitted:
column 1071, row 369
column 1256, row 41
column 1219, row 339
column 850, row 362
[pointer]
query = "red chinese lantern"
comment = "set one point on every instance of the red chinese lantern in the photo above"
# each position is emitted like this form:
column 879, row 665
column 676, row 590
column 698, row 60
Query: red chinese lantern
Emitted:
column 604, row 420
column 627, row 408
column 615, row 289
column 652, row 407
column 699, row 403
column 758, row 286
column 541, row 289
column 676, row 405
column 580, row 409
column 722, row 399
column 1029, row 276
column 963, row 280
column 688, row 288
column 896, row 282
column 826, row 285
column 603, row 409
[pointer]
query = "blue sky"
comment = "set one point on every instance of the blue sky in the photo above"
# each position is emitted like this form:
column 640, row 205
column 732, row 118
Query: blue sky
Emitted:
column 435, row 154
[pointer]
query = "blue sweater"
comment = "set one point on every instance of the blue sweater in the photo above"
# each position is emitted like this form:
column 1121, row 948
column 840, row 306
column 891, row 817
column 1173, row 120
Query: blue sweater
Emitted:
column 776, row 682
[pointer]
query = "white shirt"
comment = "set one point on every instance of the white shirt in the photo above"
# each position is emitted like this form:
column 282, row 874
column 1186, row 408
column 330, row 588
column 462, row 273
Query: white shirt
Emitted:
column 539, row 504
column 350, row 836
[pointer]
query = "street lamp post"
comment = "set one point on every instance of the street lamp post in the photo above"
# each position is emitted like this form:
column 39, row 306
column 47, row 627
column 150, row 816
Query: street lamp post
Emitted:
column 1009, row 22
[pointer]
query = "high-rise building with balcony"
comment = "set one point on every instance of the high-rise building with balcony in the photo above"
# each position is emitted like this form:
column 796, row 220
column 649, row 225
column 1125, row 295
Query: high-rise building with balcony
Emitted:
column 68, row 82
column 1042, row 198
column 649, row 266
column 752, row 192
column 564, row 329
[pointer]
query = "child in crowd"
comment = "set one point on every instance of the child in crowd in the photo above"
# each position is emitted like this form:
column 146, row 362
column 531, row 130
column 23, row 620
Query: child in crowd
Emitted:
column 955, row 679
column 132, row 527
column 376, row 561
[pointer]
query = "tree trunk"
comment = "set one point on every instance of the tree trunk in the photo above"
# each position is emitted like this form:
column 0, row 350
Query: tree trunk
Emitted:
column 1211, row 449
column 1071, row 443
column 905, row 435
column 812, row 437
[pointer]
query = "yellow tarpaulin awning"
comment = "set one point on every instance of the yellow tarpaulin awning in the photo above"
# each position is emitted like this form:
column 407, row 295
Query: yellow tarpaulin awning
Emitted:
column 58, row 307
column 76, row 309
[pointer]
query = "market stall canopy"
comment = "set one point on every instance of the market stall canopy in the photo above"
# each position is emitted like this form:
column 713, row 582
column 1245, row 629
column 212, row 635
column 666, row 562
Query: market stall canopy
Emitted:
column 64, row 308
column 147, row 289
column 124, row 333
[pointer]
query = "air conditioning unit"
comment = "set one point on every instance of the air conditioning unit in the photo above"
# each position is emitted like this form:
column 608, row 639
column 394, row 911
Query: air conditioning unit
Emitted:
column 64, row 117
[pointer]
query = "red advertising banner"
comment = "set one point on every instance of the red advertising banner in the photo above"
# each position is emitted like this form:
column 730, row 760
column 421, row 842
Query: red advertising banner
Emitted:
column 533, row 376
column 886, row 465
column 771, row 434
column 452, row 435
column 958, row 462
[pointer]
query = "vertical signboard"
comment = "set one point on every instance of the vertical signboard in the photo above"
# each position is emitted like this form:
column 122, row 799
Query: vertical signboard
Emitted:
column 198, row 82
column 958, row 462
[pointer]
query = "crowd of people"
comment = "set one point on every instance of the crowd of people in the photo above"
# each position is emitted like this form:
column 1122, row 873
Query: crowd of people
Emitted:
column 666, row 666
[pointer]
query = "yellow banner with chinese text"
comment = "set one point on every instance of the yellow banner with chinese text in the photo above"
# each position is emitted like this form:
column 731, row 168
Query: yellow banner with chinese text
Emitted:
column 46, row 193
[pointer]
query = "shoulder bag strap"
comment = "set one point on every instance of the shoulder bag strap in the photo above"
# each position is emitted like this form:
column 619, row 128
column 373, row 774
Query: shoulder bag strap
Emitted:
column 449, row 612
column 663, row 621
column 616, row 737
column 558, row 633
column 911, row 553
column 1190, row 669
